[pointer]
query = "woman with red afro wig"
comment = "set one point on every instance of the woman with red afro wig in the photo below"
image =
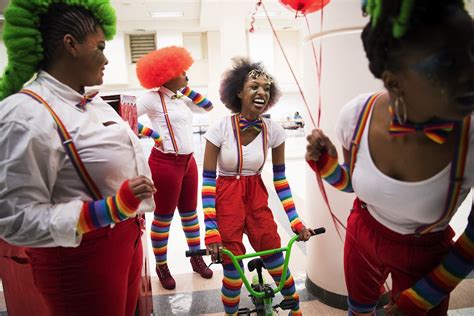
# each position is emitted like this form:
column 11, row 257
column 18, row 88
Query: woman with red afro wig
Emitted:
column 169, row 104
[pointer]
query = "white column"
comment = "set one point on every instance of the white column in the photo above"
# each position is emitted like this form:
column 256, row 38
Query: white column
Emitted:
column 345, row 75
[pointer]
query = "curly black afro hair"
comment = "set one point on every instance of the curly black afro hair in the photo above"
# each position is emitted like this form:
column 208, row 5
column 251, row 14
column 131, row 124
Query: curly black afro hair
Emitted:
column 233, row 81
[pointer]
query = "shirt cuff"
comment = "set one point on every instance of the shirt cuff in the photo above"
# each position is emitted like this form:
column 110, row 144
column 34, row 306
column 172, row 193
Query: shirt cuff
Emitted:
column 63, row 225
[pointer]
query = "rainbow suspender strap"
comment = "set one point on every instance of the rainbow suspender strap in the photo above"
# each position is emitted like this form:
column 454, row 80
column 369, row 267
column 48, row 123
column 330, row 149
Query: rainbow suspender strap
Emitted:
column 168, row 123
column 70, row 148
column 456, row 174
column 235, row 126
column 457, row 165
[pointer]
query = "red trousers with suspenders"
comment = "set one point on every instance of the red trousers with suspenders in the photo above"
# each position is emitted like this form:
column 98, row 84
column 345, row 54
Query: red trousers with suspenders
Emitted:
column 372, row 251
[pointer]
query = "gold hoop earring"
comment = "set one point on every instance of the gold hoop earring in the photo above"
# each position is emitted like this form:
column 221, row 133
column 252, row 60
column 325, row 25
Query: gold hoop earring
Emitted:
column 399, row 102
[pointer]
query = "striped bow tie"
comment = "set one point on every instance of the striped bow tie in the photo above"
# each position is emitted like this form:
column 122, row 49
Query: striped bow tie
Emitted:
column 245, row 124
column 86, row 99
column 436, row 130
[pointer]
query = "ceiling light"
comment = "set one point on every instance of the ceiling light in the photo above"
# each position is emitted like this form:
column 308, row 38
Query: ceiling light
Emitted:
column 169, row 14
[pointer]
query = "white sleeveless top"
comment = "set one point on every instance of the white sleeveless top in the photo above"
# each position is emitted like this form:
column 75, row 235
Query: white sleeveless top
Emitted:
column 401, row 206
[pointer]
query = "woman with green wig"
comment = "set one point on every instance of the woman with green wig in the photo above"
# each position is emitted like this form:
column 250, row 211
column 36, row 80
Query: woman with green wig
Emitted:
column 73, row 175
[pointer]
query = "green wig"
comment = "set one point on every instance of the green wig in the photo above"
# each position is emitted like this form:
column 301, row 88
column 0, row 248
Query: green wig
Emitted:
column 22, row 37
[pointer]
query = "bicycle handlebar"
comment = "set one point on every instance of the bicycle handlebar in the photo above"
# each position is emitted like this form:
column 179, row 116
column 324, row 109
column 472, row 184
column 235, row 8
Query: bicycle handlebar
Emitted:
column 317, row 231
column 203, row 252
column 195, row 253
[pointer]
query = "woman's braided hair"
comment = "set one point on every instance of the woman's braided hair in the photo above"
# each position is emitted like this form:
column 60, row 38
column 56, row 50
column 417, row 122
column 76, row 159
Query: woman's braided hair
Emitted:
column 34, row 28
column 397, row 24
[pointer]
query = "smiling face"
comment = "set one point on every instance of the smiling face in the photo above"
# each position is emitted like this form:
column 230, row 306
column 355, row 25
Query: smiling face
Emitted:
column 255, row 95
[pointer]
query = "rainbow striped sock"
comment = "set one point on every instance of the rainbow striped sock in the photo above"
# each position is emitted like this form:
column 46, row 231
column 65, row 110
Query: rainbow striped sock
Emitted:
column 274, row 265
column 160, row 228
column 231, row 287
column 436, row 286
column 146, row 131
column 284, row 193
column 190, row 223
column 336, row 175
column 197, row 98
column 112, row 209
column 209, row 206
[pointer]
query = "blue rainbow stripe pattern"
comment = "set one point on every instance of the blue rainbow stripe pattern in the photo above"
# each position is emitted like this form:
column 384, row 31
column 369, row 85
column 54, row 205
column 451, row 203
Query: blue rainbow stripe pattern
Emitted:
column 160, row 228
column 197, row 98
column 208, row 195
column 283, row 190
column 112, row 209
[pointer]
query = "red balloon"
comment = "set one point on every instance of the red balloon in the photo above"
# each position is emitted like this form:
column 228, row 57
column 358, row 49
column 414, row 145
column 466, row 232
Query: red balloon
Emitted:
column 305, row 6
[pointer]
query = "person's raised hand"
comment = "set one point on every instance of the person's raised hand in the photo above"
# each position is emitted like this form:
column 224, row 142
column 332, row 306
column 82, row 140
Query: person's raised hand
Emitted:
column 318, row 143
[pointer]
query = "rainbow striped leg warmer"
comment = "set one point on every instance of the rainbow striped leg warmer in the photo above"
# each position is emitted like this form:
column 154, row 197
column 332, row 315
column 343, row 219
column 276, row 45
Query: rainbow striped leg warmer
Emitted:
column 274, row 265
column 284, row 193
column 436, row 286
column 112, row 209
column 197, row 98
column 231, row 287
column 146, row 131
column 208, row 195
column 190, row 223
column 336, row 175
column 160, row 228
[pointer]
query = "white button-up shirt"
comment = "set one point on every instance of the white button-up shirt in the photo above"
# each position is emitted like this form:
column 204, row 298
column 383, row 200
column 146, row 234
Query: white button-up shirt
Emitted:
column 180, row 114
column 41, row 195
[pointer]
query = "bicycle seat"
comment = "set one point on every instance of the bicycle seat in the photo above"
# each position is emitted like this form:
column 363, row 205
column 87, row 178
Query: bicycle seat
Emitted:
column 256, row 263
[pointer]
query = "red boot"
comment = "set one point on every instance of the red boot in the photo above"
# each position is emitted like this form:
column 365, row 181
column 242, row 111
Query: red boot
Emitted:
column 165, row 277
column 200, row 267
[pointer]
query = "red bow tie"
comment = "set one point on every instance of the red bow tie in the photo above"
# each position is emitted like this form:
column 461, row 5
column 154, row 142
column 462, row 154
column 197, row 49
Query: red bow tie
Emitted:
column 86, row 99
column 436, row 130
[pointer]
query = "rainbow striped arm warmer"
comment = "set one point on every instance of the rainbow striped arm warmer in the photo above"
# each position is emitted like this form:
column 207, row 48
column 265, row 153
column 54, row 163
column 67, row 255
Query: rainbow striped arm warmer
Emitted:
column 197, row 98
column 284, row 193
column 209, row 206
column 146, row 131
column 112, row 209
column 332, row 172
column 436, row 286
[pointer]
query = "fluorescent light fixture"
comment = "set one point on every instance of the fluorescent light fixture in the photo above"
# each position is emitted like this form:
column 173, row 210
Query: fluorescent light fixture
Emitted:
column 2, row 18
column 166, row 14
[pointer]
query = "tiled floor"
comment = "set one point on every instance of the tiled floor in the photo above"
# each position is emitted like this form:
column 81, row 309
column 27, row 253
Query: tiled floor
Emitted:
column 196, row 296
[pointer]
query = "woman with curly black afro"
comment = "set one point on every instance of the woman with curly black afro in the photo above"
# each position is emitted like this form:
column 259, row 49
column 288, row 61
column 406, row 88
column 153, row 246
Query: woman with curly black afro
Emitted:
column 238, row 201
column 73, row 175
column 409, row 157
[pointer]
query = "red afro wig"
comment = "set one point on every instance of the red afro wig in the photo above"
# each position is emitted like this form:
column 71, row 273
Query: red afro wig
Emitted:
column 158, row 67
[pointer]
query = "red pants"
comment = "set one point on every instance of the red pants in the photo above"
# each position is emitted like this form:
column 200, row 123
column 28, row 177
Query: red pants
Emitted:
column 176, row 181
column 242, row 207
column 100, row 277
column 372, row 251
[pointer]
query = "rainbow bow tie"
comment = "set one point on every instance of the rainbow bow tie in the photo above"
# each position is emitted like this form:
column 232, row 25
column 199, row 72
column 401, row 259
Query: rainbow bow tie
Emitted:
column 86, row 99
column 245, row 124
column 436, row 130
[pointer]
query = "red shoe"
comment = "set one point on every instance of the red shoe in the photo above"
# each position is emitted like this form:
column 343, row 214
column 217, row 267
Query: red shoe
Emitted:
column 200, row 267
column 165, row 277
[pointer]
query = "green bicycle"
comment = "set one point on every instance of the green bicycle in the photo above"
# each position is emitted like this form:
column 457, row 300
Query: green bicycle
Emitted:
column 261, row 293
